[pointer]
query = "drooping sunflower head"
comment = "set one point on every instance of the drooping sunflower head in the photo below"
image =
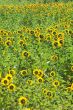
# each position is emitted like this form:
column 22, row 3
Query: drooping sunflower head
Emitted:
column 22, row 100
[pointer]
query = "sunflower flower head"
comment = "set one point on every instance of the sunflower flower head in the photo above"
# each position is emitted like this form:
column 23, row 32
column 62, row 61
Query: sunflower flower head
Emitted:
column 9, row 77
column 5, row 82
column 11, row 87
column 56, row 83
column 22, row 100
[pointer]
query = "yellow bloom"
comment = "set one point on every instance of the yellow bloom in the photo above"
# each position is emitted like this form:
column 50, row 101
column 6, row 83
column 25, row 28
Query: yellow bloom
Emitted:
column 48, row 37
column 25, row 54
column 22, row 100
column 55, row 44
column 23, row 72
column 12, row 72
column 54, row 57
column 8, row 43
column 44, row 91
column 9, row 77
column 11, row 87
column 30, row 82
column 60, row 42
column 49, row 94
column 52, row 73
column 35, row 72
column 40, row 80
column 21, row 42
column 40, row 73
column 56, row 83
column 5, row 81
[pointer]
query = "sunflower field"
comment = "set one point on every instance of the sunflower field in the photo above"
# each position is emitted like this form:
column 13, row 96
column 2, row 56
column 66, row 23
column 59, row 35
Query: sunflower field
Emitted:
column 36, row 55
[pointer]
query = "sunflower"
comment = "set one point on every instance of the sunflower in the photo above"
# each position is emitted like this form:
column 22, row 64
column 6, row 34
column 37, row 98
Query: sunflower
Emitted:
column 55, row 44
column 36, row 72
column 48, row 37
column 49, row 94
column 21, row 42
column 25, row 54
column 49, row 30
column 12, row 72
column 37, row 32
column 9, row 77
column 23, row 72
column 56, row 83
column 11, row 87
column 54, row 57
column 5, row 81
column 8, row 43
column 31, row 32
column 72, row 86
column 40, row 73
column 22, row 100
column 29, row 82
column 60, row 42
column 54, row 32
column 52, row 73
column 60, row 35
column 44, row 91
column 40, row 80
column 72, row 68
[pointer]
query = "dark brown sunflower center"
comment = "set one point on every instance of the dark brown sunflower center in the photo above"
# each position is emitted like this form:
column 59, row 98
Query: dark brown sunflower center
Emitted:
column 5, row 81
column 40, row 80
column 24, row 72
column 9, row 77
column 61, row 42
column 55, row 44
column 56, row 83
column 21, row 42
column 52, row 73
column 23, row 101
column 8, row 43
column 49, row 93
column 11, row 87
column 36, row 72
column 25, row 54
